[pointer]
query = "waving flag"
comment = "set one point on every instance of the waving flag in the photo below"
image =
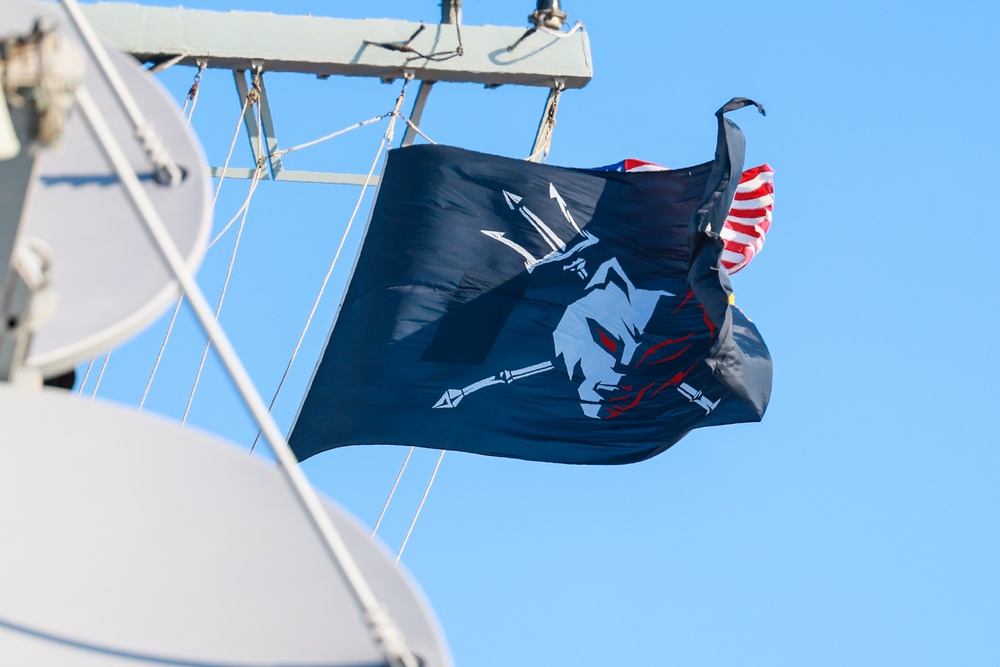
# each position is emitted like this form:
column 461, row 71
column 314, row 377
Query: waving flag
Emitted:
column 749, row 218
column 510, row 308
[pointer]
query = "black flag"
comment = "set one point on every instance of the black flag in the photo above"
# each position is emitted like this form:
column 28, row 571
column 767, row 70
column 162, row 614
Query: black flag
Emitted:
column 516, row 309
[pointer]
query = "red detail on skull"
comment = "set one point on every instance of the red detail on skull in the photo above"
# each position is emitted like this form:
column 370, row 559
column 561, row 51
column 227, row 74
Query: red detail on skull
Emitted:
column 609, row 344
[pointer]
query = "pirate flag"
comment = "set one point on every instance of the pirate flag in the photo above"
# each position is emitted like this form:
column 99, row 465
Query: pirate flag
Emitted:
column 509, row 308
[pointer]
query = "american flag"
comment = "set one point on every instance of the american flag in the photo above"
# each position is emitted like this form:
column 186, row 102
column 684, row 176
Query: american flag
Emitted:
column 748, row 219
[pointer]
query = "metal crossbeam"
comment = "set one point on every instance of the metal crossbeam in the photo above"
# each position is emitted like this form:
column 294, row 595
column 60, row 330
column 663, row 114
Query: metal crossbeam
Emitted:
column 260, row 42
column 330, row 46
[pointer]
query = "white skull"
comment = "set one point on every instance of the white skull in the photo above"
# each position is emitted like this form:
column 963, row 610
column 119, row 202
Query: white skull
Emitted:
column 599, row 333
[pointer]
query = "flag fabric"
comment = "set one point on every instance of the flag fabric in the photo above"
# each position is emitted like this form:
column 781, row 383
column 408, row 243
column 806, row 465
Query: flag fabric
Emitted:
column 509, row 308
column 749, row 217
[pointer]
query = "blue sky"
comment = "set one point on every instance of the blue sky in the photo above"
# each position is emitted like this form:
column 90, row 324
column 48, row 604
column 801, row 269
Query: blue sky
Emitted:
column 857, row 524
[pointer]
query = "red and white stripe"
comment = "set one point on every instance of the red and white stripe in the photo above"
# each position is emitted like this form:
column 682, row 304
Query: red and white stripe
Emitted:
column 749, row 218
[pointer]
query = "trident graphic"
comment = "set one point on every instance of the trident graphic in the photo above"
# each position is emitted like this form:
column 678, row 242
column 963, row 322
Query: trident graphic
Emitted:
column 558, row 252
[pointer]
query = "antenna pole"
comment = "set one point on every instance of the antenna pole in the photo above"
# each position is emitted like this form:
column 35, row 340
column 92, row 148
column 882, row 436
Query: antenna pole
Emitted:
column 451, row 11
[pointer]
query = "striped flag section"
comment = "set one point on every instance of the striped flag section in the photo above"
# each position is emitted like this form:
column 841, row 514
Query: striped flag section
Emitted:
column 748, row 219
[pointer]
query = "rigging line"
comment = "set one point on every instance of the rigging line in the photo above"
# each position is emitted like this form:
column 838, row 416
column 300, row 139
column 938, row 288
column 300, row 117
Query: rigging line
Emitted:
column 180, row 300
column 392, row 491
column 404, row 47
column 427, row 491
column 544, row 137
column 100, row 375
column 193, row 91
column 418, row 130
column 386, row 141
column 169, row 62
column 374, row 119
column 86, row 375
column 240, row 211
column 159, row 355
column 232, row 258
column 278, row 154
column 222, row 177
column 225, row 287
column 458, row 30
column 245, row 209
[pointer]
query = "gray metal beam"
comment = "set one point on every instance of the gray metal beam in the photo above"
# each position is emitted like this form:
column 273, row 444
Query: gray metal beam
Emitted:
column 329, row 46
column 249, row 120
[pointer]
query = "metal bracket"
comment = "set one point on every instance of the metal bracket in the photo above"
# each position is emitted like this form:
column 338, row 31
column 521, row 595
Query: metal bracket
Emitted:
column 264, row 142
column 24, row 265
column 27, row 302
column 16, row 184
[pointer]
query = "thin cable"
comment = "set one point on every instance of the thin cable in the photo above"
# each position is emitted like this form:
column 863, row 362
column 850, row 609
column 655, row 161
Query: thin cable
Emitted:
column 222, row 294
column 392, row 492
column 420, row 507
column 241, row 211
column 225, row 167
column 547, row 126
column 173, row 319
column 386, row 141
column 418, row 130
column 229, row 271
column 322, row 288
column 86, row 375
column 284, row 151
column 169, row 62
column 159, row 355
column 97, row 385
column 193, row 91
column 383, row 628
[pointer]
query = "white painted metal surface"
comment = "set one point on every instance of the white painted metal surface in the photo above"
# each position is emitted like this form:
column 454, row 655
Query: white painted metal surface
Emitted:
column 129, row 540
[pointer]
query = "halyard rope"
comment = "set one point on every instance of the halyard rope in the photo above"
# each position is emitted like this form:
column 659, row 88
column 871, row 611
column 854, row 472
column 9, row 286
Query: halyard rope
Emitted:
column 86, row 375
column 180, row 300
column 374, row 119
column 192, row 95
column 253, row 97
column 386, row 141
column 548, row 125
column 225, row 284
column 392, row 491
column 97, row 385
column 427, row 491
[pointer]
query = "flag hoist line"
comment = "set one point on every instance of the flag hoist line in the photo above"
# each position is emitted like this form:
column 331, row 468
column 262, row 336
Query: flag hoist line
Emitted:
column 383, row 144
column 539, row 153
column 180, row 300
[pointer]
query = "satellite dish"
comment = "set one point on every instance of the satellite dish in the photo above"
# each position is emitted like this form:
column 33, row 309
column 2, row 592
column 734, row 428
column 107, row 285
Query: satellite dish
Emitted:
column 130, row 540
column 107, row 273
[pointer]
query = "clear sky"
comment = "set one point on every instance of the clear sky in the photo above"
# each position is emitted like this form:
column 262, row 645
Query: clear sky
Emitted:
column 858, row 523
